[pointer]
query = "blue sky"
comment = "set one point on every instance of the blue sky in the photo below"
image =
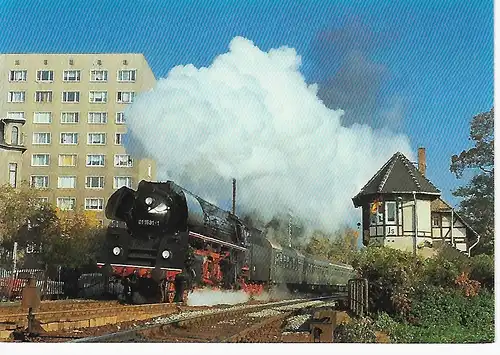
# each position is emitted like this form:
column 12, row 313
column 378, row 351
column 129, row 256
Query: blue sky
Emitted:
column 431, row 61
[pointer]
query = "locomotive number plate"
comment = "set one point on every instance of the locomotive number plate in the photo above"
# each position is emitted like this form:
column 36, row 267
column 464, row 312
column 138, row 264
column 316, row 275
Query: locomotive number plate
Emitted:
column 147, row 222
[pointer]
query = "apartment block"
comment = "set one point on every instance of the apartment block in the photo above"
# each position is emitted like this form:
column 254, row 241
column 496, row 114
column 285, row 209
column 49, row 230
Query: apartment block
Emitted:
column 62, row 125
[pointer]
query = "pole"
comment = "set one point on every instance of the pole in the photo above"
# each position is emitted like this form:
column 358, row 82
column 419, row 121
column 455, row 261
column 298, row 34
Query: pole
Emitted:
column 415, row 224
column 14, row 258
column 451, row 230
column 234, row 197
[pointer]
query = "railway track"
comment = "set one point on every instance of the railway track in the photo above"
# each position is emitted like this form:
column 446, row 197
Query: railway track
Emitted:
column 233, row 324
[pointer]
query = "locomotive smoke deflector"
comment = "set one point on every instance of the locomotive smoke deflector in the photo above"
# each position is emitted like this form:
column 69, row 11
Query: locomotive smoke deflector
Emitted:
column 120, row 204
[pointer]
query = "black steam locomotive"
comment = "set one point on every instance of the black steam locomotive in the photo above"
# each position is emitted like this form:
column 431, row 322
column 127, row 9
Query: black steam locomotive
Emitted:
column 164, row 241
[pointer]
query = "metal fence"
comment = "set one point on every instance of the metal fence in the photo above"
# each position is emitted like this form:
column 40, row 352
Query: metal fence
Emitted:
column 87, row 286
column 13, row 282
column 95, row 285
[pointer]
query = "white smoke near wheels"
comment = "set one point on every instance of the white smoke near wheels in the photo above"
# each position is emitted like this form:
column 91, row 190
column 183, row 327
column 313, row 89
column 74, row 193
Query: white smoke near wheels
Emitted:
column 250, row 115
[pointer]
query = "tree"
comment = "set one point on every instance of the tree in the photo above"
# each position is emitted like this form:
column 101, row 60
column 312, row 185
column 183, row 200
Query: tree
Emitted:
column 319, row 245
column 75, row 241
column 477, row 205
column 23, row 217
column 344, row 246
column 339, row 247
column 66, row 238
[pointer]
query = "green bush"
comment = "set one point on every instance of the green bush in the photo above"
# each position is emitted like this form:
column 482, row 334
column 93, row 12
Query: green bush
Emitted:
column 392, row 275
column 483, row 270
column 426, row 301
column 360, row 330
column 441, row 315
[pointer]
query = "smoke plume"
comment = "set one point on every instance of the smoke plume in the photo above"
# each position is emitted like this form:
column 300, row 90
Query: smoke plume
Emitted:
column 209, row 297
column 350, row 79
column 251, row 115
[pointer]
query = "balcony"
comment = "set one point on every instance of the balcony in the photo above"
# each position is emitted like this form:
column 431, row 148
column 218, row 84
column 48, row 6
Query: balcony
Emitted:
column 13, row 119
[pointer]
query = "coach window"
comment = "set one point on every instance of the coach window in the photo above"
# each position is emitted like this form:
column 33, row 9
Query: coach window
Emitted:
column 390, row 212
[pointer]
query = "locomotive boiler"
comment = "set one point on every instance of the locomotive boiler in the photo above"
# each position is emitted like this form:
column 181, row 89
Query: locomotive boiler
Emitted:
column 165, row 240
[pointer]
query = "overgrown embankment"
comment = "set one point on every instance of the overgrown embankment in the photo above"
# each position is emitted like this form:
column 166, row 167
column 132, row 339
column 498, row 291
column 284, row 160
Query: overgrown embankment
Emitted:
column 445, row 299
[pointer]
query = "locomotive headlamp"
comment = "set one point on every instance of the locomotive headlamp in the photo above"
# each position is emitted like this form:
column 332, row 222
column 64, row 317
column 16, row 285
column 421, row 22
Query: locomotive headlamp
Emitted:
column 117, row 251
column 148, row 201
column 165, row 254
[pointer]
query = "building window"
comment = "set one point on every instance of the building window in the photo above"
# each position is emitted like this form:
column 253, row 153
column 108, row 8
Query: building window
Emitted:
column 70, row 117
column 40, row 160
column 98, row 117
column 120, row 118
column 96, row 138
column 17, row 75
column 19, row 115
column 42, row 117
column 67, row 159
column 43, row 200
column 390, row 212
column 66, row 182
column 66, row 203
column 376, row 213
column 95, row 160
column 70, row 96
column 98, row 96
column 69, row 138
column 96, row 204
column 123, row 160
column 13, row 174
column 120, row 181
column 39, row 181
column 71, row 75
column 41, row 138
column 43, row 96
column 119, row 138
column 16, row 96
column 126, row 75
column 94, row 182
column 15, row 136
column 436, row 219
column 125, row 97
column 45, row 75
column 98, row 75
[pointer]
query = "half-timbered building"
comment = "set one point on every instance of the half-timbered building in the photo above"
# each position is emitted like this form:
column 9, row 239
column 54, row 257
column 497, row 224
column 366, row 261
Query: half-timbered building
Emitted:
column 402, row 209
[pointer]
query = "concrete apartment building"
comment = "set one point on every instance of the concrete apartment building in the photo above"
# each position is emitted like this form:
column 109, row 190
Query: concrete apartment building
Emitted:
column 62, row 125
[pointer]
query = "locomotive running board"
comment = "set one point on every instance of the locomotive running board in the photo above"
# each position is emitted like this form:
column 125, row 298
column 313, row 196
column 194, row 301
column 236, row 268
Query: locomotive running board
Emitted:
column 140, row 266
column 209, row 239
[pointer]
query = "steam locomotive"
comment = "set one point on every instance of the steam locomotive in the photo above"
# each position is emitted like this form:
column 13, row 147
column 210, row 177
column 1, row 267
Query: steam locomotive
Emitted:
column 164, row 241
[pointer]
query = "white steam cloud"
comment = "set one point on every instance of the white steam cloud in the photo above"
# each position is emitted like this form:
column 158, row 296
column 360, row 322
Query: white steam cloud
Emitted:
column 251, row 116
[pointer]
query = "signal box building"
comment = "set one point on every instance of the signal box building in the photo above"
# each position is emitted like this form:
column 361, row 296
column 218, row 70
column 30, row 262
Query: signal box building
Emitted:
column 402, row 209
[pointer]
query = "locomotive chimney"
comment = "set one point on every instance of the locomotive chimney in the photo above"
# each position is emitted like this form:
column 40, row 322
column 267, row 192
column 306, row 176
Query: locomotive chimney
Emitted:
column 234, row 196
column 421, row 160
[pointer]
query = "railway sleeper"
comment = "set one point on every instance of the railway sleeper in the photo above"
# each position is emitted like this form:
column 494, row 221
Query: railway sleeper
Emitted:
column 246, row 334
